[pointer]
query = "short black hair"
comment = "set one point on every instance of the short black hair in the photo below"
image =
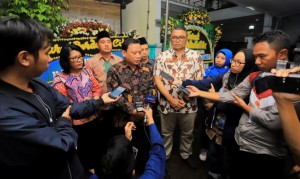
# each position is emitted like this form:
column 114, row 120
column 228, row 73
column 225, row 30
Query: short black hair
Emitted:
column 65, row 54
column 118, row 160
column 129, row 41
column 276, row 38
column 179, row 28
column 18, row 34
column 143, row 41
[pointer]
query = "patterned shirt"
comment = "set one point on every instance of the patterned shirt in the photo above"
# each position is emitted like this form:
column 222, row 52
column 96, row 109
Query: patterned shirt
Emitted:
column 99, row 66
column 150, row 63
column 78, row 88
column 187, row 66
column 138, row 83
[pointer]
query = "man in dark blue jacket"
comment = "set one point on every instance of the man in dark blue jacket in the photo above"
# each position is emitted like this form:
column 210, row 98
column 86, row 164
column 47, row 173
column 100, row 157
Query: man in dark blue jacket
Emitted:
column 36, row 135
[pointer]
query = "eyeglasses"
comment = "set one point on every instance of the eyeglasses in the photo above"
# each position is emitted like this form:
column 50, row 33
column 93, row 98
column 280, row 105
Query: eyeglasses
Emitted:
column 76, row 59
column 174, row 38
column 237, row 63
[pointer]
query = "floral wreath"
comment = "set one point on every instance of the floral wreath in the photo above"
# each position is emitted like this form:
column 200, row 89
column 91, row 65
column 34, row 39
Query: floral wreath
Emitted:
column 87, row 28
column 82, row 27
column 191, row 17
column 172, row 22
column 195, row 17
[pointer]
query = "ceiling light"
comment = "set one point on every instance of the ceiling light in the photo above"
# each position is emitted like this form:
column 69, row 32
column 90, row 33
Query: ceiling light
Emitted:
column 251, row 27
column 252, row 8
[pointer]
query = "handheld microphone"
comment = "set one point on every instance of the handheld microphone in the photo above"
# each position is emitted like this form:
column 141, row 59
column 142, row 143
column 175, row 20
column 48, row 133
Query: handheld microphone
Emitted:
column 150, row 99
column 145, row 117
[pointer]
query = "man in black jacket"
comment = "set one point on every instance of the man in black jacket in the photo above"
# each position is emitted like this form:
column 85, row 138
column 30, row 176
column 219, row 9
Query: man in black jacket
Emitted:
column 36, row 135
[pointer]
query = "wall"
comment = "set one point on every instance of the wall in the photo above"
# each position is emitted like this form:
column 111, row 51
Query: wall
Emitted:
column 134, row 16
column 90, row 9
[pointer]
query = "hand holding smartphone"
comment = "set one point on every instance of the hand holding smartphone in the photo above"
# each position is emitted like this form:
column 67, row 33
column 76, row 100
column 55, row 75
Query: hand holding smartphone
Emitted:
column 116, row 92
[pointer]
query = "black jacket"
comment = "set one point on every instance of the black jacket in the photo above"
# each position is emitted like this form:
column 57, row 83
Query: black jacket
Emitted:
column 35, row 141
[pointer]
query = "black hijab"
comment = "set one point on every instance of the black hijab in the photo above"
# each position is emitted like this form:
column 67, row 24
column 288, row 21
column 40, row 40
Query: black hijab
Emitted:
column 235, row 79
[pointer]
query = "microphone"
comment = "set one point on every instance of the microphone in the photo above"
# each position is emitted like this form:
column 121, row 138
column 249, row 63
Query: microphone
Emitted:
column 145, row 117
column 149, row 99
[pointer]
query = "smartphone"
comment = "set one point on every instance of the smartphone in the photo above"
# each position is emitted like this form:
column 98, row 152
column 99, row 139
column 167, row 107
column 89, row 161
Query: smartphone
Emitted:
column 116, row 92
column 139, row 106
column 183, row 89
column 166, row 76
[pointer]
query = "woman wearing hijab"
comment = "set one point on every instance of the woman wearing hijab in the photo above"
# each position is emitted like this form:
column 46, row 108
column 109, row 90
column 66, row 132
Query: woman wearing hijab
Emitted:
column 223, row 117
column 221, row 64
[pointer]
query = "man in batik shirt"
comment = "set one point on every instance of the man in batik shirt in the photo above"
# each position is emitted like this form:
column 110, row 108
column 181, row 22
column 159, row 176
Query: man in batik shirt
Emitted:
column 174, row 107
column 145, row 53
column 100, row 63
column 137, row 78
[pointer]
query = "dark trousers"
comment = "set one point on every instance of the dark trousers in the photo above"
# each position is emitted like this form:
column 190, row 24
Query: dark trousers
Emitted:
column 223, row 159
column 215, row 155
column 258, row 166
column 91, row 139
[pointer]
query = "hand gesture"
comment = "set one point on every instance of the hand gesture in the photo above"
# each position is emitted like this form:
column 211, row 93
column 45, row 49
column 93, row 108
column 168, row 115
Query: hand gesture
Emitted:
column 149, row 115
column 285, row 72
column 238, row 101
column 177, row 104
column 177, row 81
column 107, row 99
column 193, row 91
column 67, row 113
column 128, row 130
column 212, row 88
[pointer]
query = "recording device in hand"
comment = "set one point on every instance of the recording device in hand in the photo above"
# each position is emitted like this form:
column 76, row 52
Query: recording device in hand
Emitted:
column 116, row 92
column 166, row 76
column 290, row 84
column 149, row 99
column 139, row 106
column 183, row 89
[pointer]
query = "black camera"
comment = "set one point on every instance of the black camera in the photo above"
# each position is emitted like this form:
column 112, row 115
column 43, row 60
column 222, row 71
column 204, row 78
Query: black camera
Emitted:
column 290, row 84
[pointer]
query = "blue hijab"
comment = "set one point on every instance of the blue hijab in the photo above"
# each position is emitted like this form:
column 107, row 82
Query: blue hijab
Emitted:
column 214, row 70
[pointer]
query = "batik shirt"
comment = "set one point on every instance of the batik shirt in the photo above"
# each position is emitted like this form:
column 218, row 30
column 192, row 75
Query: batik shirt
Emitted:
column 99, row 66
column 187, row 66
column 78, row 88
column 138, row 83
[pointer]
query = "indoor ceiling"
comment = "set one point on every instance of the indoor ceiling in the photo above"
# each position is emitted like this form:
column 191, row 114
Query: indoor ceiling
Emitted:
column 273, row 7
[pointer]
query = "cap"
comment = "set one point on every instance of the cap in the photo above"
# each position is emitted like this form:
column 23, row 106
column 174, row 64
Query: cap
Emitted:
column 143, row 41
column 102, row 34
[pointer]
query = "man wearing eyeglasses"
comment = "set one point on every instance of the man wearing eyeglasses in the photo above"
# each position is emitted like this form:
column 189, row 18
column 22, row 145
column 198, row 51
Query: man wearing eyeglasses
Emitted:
column 181, row 63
